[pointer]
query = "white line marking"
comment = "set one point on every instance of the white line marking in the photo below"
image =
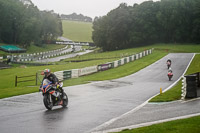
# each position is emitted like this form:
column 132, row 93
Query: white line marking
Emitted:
column 147, row 124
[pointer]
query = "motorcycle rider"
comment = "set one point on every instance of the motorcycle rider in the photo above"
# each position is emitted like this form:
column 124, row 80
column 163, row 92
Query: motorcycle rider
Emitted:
column 52, row 78
column 170, row 70
column 170, row 73
column 169, row 62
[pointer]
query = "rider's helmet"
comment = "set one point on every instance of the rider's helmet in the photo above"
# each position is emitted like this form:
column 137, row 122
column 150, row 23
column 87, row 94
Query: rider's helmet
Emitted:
column 47, row 72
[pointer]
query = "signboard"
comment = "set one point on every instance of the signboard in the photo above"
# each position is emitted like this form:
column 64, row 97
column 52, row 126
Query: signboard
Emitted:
column 104, row 67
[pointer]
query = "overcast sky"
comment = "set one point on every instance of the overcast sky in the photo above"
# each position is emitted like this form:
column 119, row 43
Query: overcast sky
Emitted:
column 89, row 8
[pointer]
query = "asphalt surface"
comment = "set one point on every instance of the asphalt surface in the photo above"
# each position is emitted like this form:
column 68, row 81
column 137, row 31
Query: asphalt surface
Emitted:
column 69, row 50
column 153, row 113
column 98, row 106
column 70, row 55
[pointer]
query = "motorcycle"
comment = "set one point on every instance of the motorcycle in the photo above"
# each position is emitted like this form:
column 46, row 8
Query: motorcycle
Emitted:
column 168, row 64
column 52, row 95
column 170, row 75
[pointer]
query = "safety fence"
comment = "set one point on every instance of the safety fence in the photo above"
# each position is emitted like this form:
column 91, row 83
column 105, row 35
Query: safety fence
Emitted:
column 26, row 79
column 75, row 73
column 39, row 55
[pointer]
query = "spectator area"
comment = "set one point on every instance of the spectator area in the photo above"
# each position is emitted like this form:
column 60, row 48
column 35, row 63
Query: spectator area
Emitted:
column 12, row 49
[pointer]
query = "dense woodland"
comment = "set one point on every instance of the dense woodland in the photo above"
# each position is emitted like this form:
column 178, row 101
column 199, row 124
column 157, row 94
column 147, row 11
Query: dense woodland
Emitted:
column 22, row 23
column 165, row 21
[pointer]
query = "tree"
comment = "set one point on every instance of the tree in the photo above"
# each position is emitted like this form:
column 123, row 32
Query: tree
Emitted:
column 22, row 23
column 168, row 21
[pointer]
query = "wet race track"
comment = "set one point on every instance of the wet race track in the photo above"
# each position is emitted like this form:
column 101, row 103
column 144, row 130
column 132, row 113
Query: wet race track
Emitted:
column 91, row 105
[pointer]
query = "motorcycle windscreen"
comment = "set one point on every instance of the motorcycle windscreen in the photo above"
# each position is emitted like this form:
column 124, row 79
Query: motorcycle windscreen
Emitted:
column 45, row 83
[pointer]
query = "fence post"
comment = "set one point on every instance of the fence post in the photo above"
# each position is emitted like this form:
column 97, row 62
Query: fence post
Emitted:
column 16, row 81
column 36, row 78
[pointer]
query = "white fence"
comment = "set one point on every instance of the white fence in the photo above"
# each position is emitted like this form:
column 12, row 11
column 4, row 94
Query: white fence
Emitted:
column 75, row 73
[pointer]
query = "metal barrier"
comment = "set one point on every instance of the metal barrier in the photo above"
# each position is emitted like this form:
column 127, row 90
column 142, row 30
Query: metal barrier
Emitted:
column 16, row 79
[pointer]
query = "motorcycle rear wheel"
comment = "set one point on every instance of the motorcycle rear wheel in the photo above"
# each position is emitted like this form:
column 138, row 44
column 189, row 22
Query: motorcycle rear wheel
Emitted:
column 47, row 103
column 170, row 78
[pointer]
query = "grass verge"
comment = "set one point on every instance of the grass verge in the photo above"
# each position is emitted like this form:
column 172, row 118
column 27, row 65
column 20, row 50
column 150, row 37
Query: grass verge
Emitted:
column 170, row 95
column 46, row 47
column 190, row 125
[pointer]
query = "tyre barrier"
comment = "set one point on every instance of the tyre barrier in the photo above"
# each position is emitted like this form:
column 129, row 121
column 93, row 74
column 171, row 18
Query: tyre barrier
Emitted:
column 191, row 86
column 183, row 89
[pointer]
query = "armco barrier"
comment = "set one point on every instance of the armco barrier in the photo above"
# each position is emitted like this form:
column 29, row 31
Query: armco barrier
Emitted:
column 104, row 67
column 144, row 53
column 112, row 64
column 67, row 74
column 130, row 58
column 75, row 73
column 122, row 61
column 183, row 89
column 115, row 63
column 59, row 75
column 119, row 62
column 147, row 52
column 31, row 57
column 62, row 75
column 137, row 56
column 87, row 70
column 140, row 55
column 125, row 60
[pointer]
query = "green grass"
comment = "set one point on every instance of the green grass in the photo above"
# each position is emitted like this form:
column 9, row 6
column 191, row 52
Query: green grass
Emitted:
column 170, row 95
column 77, row 31
column 194, row 66
column 190, row 125
column 7, row 78
column 178, row 48
column 47, row 47
column 109, row 55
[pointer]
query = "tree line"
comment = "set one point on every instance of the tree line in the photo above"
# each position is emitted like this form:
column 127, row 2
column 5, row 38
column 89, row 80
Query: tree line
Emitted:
column 76, row 17
column 165, row 21
column 23, row 23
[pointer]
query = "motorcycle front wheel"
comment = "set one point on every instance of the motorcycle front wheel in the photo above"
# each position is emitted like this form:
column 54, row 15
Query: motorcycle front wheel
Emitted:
column 47, row 102
column 65, row 100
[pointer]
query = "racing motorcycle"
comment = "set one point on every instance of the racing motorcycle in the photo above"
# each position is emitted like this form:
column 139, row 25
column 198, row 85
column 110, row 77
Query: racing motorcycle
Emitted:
column 170, row 75
column 52, row 95
column 168, row 64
